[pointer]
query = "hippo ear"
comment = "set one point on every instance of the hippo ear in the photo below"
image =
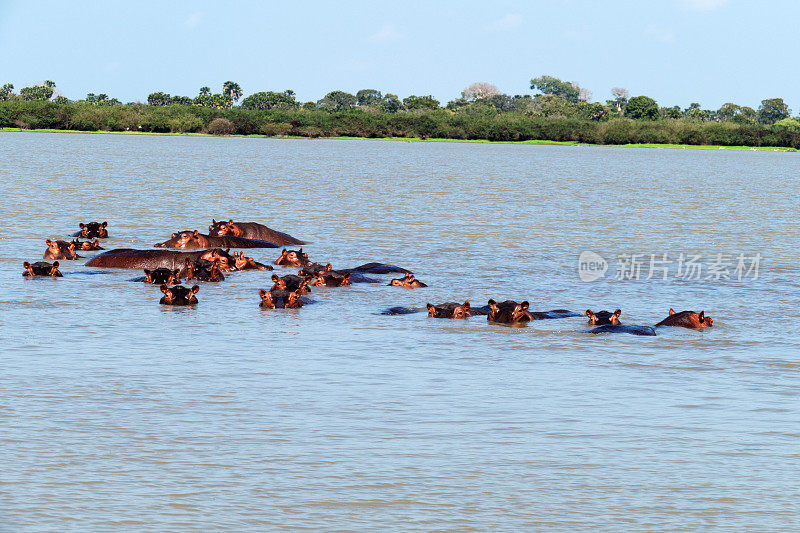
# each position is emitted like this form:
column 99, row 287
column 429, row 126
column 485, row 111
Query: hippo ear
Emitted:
column 55, row 264
column 347, row 275
column 275, row 278
column 26, row 264
column 48, row 241
column 104, row 224
column 283, row 251
column 146, row 272
column 525, row 305
column 213, row 221
column 262, row 293
column 81, row 225
column 466, row 306
column 164, row 288
column 492, row 303
column 328, row 267
column 174, row 235
column 671, row 311
column 589, row 313
column 702, row 316
column 618, row 312
column 176, row 271
column 196, row 233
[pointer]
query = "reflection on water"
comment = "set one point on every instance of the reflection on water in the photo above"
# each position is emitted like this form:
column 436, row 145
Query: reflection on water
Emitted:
column 120, row 413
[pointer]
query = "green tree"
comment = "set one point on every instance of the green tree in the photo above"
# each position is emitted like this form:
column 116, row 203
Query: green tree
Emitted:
column 62, row 100
column 159, row 99
column 728, row 111
column 747, row 115
column 391, row 103
column 49, row 83
column 621, row 96
column 205, row 90
column 550, row 105
column 368, row 97
column 37, row 92
column 567, row 90
column 6, row 91
column 270, row 100
column 232, row 89
column 181, row 100
column 772, row 110
column 420, row 102
column 787, row 124
column 337, row 100
column 671, row 112
column 641, row 107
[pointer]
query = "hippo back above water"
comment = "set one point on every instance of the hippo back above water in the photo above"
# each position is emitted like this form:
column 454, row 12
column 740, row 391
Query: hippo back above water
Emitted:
column 687, row 319
column 152, row 259
column 193, row 240
column 251, row 230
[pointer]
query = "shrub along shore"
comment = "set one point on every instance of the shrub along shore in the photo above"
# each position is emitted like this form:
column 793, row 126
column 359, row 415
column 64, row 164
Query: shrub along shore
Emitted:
column 435, row 124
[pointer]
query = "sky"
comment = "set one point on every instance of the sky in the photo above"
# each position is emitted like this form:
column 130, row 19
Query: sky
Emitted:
column 675, row 51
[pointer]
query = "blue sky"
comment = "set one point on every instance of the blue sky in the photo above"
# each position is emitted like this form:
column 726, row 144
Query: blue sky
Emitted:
column 676, row 51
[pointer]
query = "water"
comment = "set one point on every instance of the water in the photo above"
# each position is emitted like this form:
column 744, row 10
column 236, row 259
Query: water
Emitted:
column 118, row 413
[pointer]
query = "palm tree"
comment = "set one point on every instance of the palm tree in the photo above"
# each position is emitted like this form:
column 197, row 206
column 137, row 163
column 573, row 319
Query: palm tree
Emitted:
column 49, row 83
column 205, row 90
column 232, row 89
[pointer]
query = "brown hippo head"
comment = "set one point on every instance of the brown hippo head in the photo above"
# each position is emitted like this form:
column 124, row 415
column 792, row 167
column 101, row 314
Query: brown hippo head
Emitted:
column 162, row 276
column 295, row 258
column 93, row 230
column 603, row 317
column 222, row 228
column 509, row 312
column 179, row 295
column 687, row 319
column 224, row 259
column 449, row 310
column 41, row 268
column 408, row 281
column 60, row 250
column 87, row 246
column 330, row 279
column 266, row 299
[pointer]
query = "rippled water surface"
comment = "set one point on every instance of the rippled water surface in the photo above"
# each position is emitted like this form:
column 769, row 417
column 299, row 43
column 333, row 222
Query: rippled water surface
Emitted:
column 119, row 413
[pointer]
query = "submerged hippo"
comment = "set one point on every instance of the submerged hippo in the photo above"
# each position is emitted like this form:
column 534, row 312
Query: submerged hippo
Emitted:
column 355, row 276
column 160, row 276
column 87, row 246
column 60, row 250
column 509, row 312
column 603, row 317
column 141, row 259
column 646, row 331
column 179, row 295
column 92, row 230
column 449, row 310
column 251, row 230
column 41, row 268
column 377, row 268
column 408, row 281
column 290, row 283
column 295, row 258
column 247, row 263
column 330, row 279
column 194, row 240
column 687, row 319
column 280, row 299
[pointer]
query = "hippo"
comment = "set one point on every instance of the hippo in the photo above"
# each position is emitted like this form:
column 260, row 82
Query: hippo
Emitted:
column 60, row 250
column 160, row 276
column 603, row 317
column 92, row 230
column 202, row 270
column 87, row 246
column 290, row 283
column 248, row 263
column 312, row 269
column 194, row 239
column 179, row 295
column 330, row 279
column 41, row 268
column 295, row 258
column 449, row 310
column 646, row 331
column 377, row 268
column 687, row 319
column 280, row 299
column 251, row 230
column 408, row 281
column 509, row 312
column 399, row 310
column 141, row 259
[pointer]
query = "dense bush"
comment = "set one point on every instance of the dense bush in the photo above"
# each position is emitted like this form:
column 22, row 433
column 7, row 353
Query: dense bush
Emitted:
column 471, row 123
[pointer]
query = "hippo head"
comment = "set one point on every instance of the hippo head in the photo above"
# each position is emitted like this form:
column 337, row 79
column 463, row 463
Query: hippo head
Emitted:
column 53, row 248
column 179, row 295
column 279, row 284
column 295, row 258
column 240, row 261
column 29, row 273
column 520, row 313
column 182, row 239
column 215, row 272
column 266, row 299
column 449, row 310
column 87, row 245
column 93, row 230
column 293, row 301
column 461, row 311
column 222, row 228
column 225, row 260
column 689, row 319
column 162, row 276
column 603, row 317
column 408, row 281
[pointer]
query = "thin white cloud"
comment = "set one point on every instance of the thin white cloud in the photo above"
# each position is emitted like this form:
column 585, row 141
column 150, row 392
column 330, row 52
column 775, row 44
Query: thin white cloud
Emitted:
column 387, row 34
column 703, row 5
column 509, row 22
column 193, row 20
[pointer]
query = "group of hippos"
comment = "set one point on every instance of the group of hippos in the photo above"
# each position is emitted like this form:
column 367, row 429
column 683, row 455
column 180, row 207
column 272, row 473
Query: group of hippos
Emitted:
column 211, row 259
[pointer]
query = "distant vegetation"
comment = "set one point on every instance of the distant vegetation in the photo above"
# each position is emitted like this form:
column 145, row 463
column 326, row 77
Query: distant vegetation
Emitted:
column 558, row 111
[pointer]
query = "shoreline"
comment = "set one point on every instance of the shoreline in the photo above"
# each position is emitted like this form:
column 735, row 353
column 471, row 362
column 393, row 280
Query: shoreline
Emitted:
column 418, row 139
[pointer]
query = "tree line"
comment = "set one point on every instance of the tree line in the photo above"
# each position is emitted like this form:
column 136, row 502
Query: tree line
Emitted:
column 558, row 111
